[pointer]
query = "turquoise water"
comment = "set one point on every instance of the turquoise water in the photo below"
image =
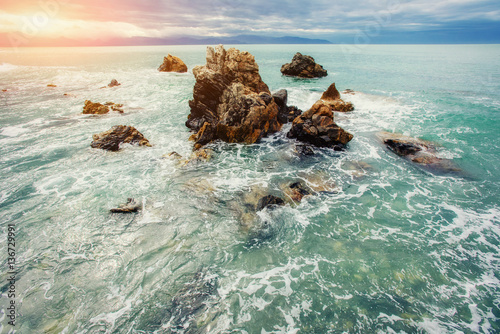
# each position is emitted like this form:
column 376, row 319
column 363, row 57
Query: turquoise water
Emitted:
column 395, row 250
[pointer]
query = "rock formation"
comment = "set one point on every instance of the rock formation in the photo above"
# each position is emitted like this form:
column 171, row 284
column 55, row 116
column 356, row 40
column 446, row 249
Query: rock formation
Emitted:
column 230, row 100
column 419, row 151
column 96, row 108
column 317, row 127
column 303, row 66
column 286, row 113
column 110, row 140
column 332, row 97
column 114, row 83
column 129, row 207
column 172, row 64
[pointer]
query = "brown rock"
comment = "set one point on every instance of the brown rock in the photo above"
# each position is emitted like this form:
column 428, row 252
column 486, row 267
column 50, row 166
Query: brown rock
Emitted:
column 99, row 109
column 303, row 66
column 331, row 94
column 332, row 97
column 230, row 100
column 51, row 85
column 114, row 83
column 110, row 140
column 317, row 127
column 418, row 151
column 172, row 64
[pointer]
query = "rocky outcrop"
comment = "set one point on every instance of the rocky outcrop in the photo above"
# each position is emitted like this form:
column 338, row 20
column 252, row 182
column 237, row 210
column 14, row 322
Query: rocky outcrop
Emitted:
column 114, row 83
column 317, row 127
column 129, row 207
column 110, row 140
column 286, row 113
column 332, row 97
column 303, row 66
column 230, row 101
column 96, row 108
column 172, row 64
column 418, row 151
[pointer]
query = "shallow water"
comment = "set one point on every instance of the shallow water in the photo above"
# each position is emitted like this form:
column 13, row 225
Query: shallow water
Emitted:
column 393, row 249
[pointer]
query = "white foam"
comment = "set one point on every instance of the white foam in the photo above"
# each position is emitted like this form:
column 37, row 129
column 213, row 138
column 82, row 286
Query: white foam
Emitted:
column 4, row 67
column 13, row 131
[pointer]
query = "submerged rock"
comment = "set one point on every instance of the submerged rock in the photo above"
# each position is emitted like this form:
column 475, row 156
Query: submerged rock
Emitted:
column 303, row 66
column 129, row 207
column 303, row 150
column 418, row 151
column 230, row 101
column 191, row 307
column 296, row 191
column 110, row 140
column 172, row 64
column 269, row 201
column 96, row 108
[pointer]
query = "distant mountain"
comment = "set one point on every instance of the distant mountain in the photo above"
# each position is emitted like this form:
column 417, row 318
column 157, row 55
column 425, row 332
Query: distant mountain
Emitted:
column 239, row 39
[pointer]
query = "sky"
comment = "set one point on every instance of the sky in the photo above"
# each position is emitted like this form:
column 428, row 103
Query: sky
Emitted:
column 101, row 22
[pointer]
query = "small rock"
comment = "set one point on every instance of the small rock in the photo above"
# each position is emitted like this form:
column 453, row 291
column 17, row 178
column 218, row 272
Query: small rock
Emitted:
column 269, row 201
column 317, row 127
column 96, row 108
column 51, row 85
column 114, row 83
column 303, row 66
column 332, row 97
column 172, row 64
column 129, row 207
column 4, row 90
column 349, row 91
column 331, row 94
column 110, row 140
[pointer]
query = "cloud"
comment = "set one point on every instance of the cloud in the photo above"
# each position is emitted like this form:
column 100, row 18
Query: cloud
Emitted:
column 316, row 18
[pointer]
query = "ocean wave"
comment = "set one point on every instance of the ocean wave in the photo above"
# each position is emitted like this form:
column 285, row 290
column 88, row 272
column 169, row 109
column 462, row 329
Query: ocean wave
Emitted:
column 4, row 67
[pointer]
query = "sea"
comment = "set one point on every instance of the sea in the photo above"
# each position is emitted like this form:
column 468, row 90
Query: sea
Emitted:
column 392, row 248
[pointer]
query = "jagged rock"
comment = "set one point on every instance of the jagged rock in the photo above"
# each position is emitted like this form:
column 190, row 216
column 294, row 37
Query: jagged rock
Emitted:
column 269, row 201
column 99, row 109
column 331, row 94
column 332, row 97
column 129, row 207
column 110, row 140
column 172, row 64
column 419, row 151
column 230, row 100
column 304, row 67
column 317, row 127
column 286, row 113
column 114, row 83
